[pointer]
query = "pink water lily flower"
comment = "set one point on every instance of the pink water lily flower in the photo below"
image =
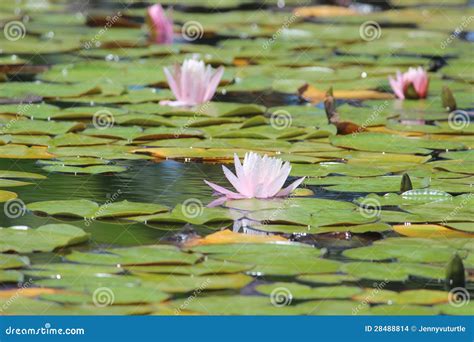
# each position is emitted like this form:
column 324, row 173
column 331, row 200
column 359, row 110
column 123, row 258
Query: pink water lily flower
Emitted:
column 258, row 177
column 417, row 77
column 192, row 83
column 160, row 26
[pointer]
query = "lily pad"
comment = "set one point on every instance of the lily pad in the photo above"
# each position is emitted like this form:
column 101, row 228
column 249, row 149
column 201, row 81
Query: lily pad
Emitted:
column 143, row 255
column 13, row 261
column 42, row 239
column 298, row 291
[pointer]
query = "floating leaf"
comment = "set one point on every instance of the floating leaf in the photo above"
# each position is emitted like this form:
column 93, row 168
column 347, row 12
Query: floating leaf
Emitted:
column 142, row 255
column 43, row 239
column 227, row 236
column 13, row 261
column 327, row 278
column 7, row 195
column 396, row 271
column 94, row 170
column 298, row 291
column 403, row 310
column 177, row 283
column 422, row 297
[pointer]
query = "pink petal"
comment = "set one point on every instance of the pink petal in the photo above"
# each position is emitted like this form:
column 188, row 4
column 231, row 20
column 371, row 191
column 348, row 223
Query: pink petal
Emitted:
column 173, row 82
column 212, row 86
column 397, row 86
column 275, row 186
column 217, row 202
column 161, row 26
column 233, row 180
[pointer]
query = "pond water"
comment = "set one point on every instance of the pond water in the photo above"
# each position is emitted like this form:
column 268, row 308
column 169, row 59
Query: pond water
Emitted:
column 167, row 183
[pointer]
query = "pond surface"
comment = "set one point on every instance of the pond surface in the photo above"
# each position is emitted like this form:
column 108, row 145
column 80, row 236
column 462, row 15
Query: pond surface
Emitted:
column 103, row 187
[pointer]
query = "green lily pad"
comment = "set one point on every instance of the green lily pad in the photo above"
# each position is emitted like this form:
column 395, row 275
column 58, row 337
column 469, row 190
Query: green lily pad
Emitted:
column 332, row 307
column 394, row 272
column 109, row 296
column 368, row 184
column 422, row 297
column 327, row 278
column 41, row 127
column 177, row 283
column 91, row 170
column 293, row 259
column 192, row 212
column 449, row 309
column 403, row 310
column 407, row 250
column 208, row 266
column 141, row 255
column 464, row 226
column 76, row 208
column 126, row 208
column 315, row 218
column 20, row 174
column 10, row 276
column 231, row 305
column 74, row 161
column 12, row 183
column 310, row 204
column 378, row 142
column 90, row 210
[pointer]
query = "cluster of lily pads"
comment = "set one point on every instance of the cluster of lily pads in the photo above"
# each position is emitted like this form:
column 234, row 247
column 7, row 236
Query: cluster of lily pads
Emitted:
column 387, row 163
